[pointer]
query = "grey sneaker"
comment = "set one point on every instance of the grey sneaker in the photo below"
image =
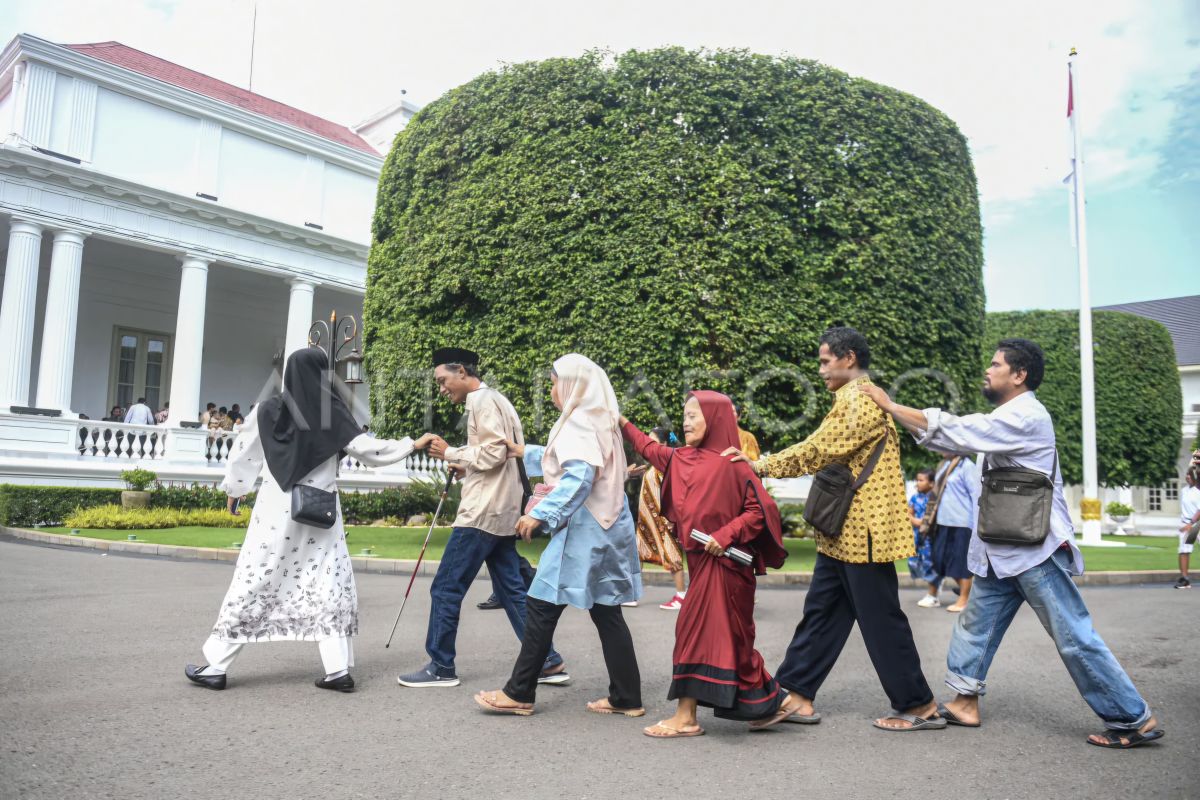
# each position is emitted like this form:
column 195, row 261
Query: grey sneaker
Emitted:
column 426, row 677
column 1183, row 583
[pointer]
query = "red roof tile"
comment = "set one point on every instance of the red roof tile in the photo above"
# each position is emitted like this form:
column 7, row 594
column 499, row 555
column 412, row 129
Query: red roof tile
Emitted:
column 168, row 72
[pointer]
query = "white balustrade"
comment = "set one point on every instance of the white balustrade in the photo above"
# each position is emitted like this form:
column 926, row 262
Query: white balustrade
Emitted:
column 350, row 465
column 421, row 462
column 35, row 440
column 418, row 463
column 219, row 446
column 99, row 439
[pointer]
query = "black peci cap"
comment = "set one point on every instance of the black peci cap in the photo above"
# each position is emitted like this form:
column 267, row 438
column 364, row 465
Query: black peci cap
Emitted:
column 454, row 355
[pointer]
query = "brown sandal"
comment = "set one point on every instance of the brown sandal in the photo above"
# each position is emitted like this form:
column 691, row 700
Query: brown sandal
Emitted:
column 607, row 708
column 675, row 733
column 489, row 704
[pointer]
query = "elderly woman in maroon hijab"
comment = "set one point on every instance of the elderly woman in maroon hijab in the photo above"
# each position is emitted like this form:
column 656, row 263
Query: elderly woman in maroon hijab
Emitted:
column 715, row 663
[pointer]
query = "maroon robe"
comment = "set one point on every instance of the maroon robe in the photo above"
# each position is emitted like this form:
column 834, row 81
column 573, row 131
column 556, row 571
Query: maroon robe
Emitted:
column 714, row 660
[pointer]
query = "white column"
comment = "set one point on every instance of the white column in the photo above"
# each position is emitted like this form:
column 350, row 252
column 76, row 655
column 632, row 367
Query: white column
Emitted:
column 57, row 366
column 300, row 310
column 17, row 308
column 189, row 340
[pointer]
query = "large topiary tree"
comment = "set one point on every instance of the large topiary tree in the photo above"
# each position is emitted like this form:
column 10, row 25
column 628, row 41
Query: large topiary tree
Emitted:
column 1139, row 402
column 684, row 219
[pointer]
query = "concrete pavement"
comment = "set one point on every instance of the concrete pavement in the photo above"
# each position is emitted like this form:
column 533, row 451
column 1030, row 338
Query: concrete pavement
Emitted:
column 93, row 703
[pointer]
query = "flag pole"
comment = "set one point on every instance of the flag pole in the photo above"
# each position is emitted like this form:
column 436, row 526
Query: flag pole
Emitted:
column 1089, row 506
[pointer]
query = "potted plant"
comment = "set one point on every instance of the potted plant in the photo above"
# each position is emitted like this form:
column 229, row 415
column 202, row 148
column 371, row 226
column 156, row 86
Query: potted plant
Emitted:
column 136, row 483
column 1119, row 512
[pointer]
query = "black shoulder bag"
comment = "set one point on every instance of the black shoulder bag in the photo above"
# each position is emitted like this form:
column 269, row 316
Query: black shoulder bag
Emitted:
column 1015, row 504
column 313, row 506
column 832, row 492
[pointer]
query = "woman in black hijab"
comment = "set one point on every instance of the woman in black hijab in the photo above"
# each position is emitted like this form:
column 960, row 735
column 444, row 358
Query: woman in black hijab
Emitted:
column 293, row 581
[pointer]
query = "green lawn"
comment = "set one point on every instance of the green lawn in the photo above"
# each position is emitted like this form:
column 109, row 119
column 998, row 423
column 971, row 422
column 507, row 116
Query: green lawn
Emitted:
column 1140, row 553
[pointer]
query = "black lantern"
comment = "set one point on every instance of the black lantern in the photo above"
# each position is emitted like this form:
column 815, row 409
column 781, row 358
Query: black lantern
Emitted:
column 353, row 369
column 335, row 336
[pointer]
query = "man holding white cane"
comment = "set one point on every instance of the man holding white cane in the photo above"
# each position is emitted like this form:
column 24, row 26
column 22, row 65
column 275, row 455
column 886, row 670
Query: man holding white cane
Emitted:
column 493, row 490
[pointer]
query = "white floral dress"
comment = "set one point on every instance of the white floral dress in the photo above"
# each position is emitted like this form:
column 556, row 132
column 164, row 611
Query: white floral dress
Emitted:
column 292, row 581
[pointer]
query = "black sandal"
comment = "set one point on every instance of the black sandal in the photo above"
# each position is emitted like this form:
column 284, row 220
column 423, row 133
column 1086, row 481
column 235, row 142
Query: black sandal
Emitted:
column 915, row 723
column 1112, row 739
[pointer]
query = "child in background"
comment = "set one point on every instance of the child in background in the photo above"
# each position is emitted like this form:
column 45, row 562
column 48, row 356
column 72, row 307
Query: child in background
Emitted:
column 920, row 566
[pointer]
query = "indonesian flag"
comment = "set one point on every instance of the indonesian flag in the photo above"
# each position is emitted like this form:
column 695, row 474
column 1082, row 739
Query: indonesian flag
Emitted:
column 1070, row 179
column 1070, row 93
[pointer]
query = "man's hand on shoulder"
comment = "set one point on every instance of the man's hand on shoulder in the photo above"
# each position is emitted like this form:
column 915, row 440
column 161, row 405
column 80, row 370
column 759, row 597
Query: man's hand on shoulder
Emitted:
column 734, row 455
column 878, row 395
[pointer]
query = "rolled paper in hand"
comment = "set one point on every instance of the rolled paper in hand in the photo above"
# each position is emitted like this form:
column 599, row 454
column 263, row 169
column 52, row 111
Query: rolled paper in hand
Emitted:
column 740, row 556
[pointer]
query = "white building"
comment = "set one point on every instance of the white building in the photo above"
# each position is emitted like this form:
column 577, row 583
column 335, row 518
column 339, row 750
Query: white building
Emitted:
column 166, row 235
column 1181, row 317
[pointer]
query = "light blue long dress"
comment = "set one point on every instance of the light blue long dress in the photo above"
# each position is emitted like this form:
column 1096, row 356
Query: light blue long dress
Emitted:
column 584, row 564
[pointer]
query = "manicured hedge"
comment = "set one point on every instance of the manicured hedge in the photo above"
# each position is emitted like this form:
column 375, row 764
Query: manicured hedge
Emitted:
column 113, row 517
column 1139, row 403
column 195, row 496
column 418, row 497
column 683, row 218
column 25, row 506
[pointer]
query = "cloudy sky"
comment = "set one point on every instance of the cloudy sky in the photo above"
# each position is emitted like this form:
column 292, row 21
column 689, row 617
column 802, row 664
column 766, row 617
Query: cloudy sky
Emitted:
column 997, row 69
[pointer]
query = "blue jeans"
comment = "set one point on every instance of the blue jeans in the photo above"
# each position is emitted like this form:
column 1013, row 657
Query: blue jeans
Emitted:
column 1055, row 599
column 467, row 551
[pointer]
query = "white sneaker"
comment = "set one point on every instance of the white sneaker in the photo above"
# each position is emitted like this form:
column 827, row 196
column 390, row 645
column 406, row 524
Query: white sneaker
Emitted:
column 560, row 678
column 929, row 601
column 631, row 604
column 674, row 604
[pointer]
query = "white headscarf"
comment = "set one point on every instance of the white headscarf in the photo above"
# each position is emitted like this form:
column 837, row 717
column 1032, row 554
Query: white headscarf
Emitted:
column 589, row 431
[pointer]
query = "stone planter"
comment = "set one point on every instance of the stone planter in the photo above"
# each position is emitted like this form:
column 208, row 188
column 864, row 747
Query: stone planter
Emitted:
column 1120, row 520
column 130, row 499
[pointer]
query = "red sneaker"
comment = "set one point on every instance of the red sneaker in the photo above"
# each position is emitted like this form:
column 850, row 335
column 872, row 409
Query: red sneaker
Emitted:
column 674, row 604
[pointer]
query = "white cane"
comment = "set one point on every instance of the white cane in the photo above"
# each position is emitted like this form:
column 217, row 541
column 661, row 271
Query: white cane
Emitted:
column 417, row 568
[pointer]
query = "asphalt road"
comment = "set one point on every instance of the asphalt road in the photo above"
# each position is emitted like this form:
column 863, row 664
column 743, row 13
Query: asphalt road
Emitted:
column 93, row 703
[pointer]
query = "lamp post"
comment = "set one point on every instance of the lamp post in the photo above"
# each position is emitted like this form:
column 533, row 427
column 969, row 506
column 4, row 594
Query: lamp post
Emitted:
column 335, row 336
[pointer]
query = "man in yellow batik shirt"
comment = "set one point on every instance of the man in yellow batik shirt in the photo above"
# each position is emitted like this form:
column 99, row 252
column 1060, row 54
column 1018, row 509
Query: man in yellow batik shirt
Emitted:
column 854, row 579
column 746, row 441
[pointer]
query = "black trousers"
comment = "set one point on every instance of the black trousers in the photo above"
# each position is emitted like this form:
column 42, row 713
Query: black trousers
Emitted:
column 840, row 595
column 527, row 573
column 541, row 618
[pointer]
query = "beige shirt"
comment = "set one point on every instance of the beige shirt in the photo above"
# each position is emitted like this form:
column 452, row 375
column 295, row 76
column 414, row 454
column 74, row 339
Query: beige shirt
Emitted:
column 491, row 488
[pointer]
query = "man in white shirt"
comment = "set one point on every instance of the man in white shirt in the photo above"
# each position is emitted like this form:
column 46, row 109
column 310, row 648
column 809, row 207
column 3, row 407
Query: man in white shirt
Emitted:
column 139, row 413
column 1020, row 433
column 485, row 530
column 1189, row 515
column 209, row 411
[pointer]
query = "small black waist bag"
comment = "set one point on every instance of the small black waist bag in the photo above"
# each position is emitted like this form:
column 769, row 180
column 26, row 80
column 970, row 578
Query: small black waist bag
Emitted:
column 832, row 492
column 313, row 506
column 1015, row 505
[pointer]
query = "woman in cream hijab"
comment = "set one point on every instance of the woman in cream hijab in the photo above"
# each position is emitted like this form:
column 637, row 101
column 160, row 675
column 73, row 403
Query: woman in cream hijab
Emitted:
column 592, row 559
